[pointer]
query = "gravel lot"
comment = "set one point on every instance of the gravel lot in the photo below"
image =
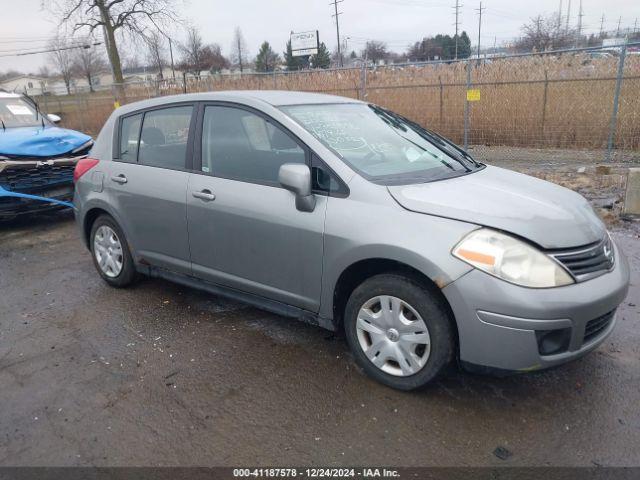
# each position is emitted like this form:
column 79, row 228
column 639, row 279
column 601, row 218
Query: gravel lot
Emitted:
column 163, row 375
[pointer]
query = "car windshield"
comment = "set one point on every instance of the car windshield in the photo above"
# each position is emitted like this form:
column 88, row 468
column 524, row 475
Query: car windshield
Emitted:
column 18, row 112
column 382, row 146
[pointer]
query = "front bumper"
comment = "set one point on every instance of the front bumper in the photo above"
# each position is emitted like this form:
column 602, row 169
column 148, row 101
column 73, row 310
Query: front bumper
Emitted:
column 51, row 179
column 497, row 321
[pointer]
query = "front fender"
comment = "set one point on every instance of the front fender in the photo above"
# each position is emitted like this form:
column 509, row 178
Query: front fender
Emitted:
column 354, row 232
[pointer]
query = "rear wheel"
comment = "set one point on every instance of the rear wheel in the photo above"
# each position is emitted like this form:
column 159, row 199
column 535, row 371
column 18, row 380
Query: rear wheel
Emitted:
column 399, row 331
column 110, row 252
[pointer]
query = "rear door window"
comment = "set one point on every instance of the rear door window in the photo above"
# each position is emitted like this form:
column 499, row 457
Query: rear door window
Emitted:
column 164, row 136
column 129, row 133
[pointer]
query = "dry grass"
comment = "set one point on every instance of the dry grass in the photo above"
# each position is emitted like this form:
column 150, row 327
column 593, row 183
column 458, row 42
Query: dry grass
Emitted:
column 544, row 102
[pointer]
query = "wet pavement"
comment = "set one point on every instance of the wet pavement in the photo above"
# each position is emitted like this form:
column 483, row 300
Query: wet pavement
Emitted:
column 160, row 374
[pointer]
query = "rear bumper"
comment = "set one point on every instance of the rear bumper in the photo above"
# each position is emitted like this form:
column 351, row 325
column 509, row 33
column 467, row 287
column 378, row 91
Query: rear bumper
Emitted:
column 497, row 321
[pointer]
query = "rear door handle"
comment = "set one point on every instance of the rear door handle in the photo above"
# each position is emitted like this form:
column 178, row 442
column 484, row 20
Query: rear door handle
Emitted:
column 205, row 195
column 119, row 179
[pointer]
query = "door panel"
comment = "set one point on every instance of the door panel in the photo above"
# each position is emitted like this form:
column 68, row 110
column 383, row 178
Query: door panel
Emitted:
column 152, row 204
column 244, row 229
column 251, row 237
column 148, row 184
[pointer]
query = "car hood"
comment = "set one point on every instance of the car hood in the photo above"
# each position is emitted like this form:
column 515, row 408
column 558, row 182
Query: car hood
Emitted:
column 39, row 141
column 544, row 213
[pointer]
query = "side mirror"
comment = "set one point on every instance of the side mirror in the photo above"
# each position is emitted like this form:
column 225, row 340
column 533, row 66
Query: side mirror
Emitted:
column 296, row 178
column 53, row 117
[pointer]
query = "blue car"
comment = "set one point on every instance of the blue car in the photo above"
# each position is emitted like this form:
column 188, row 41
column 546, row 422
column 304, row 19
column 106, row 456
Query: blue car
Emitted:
column 37, row 158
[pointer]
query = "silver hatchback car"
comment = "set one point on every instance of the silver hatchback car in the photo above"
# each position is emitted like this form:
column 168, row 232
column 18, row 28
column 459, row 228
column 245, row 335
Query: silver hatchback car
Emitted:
column 348, row 216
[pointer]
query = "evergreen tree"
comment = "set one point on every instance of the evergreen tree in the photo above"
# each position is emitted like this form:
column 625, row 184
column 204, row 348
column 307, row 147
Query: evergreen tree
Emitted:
column 464, row 46
column 322, row 59
column 267, row 59
column 293, row 63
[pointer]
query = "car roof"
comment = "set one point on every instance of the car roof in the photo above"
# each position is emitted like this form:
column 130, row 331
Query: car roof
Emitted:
column 276, row 98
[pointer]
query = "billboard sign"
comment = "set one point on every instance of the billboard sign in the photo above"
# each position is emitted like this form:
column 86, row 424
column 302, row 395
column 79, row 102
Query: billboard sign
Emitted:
column 304, row 43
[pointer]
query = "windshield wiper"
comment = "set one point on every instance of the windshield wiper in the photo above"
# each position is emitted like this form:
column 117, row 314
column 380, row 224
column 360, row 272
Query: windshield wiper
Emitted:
column 394, row 118
column 35, row 106
column 388, row 118
column 437, row 139
column 424, row 150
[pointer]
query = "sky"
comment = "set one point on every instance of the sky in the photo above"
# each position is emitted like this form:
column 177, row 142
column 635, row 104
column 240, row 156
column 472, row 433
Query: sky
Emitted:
column 25, row 25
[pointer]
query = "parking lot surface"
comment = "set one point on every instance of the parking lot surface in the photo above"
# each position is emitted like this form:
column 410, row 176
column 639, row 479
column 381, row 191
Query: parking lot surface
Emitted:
column 159, row 374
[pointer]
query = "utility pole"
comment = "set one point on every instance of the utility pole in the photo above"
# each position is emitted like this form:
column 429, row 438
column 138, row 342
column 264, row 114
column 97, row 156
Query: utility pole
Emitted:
column 580, row 15
column 336, row 14
column 457, row 24
column 479, row 10
column 173, row 69
column 568, row 16
column 602, row 25
column 559, row 18
column 635, row 26
column 618, row 31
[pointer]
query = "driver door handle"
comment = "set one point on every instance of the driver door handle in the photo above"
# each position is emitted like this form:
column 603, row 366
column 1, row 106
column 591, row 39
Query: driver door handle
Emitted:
column 205, row 195
column 121, row 179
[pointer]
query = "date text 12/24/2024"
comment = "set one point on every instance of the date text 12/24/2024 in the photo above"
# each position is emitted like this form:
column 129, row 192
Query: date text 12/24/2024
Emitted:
column 317, row 472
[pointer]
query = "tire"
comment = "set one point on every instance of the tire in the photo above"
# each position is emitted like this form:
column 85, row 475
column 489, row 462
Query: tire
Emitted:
column 425, row 356
column 120, row 272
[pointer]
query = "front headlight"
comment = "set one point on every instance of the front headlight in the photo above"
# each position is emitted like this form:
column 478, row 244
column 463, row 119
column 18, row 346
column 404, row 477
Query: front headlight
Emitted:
column 510, row 259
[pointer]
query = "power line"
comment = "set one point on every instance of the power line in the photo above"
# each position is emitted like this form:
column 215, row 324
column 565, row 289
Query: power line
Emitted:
column 337, row 14
column 29, row 50
column 457, row 24
column 20, row 54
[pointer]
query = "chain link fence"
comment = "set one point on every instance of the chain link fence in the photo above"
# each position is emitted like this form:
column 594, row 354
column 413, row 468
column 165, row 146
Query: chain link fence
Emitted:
column 566, row 106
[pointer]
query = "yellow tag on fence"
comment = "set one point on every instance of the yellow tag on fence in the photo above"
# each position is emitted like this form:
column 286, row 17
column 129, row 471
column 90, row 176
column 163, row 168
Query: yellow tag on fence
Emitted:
column 473, row 95
column 116, row 104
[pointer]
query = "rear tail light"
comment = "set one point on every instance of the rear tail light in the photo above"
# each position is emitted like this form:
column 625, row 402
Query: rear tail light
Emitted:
column 82, row 167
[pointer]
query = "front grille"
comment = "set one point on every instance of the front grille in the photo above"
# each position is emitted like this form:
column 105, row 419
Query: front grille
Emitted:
column 588, row 262
column 596, row 326
column 26, row 180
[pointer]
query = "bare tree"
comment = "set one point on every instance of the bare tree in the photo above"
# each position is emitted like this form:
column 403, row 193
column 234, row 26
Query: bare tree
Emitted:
column 544, row 33
column 239, row 49
column 44, row 72
column 131, row 61
column 197, row 56
column 61, row 59
column 155, row 51
column 192, row 60
column 374, row 51
column 87, row 63
column 112, row 16
column 9, row 74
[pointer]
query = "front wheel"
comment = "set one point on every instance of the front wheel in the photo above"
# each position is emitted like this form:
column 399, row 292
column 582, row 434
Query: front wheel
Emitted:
column 399, row 331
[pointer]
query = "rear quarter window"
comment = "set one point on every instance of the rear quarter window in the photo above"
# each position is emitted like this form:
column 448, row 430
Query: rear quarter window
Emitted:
column 129, row 136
